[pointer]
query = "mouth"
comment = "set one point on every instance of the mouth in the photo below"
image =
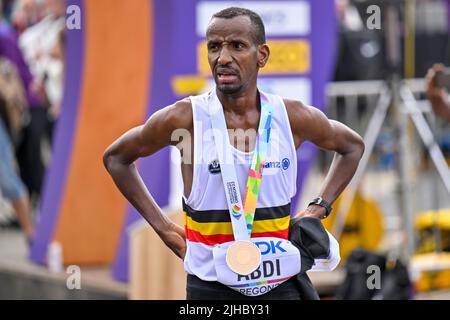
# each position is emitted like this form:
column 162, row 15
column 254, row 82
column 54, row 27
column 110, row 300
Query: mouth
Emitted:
column 226, row 76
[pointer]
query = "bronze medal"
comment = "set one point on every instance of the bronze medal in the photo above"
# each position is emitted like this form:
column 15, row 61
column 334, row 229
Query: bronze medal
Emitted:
column 243, row 257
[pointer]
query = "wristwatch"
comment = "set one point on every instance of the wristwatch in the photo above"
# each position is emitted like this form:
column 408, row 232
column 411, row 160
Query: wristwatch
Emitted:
column 320, row 202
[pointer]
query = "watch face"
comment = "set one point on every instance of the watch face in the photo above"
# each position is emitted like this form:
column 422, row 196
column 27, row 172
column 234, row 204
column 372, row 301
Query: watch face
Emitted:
column 320, row 202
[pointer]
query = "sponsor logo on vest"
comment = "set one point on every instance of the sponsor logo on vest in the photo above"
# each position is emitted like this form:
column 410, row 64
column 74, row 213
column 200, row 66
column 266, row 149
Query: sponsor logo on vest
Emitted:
column 272, row 164
column 284, row 164
column 214, row 167
column 269, row 247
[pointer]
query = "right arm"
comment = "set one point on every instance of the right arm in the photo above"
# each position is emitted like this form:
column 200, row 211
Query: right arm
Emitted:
column 437, row 96
column 119, row 159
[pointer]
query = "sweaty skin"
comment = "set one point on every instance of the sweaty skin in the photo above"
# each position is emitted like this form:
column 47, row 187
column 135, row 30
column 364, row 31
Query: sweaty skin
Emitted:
column 235, row 60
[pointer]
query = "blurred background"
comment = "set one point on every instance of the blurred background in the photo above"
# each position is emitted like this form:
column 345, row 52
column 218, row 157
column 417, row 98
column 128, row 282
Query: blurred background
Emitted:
column 76, row 74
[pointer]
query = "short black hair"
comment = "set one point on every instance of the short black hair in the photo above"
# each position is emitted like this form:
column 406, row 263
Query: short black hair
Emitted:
column 255, row 19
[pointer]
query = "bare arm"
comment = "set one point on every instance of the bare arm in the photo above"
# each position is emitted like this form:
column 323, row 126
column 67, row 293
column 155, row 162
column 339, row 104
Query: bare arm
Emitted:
column 119, row 159
column 309, row 123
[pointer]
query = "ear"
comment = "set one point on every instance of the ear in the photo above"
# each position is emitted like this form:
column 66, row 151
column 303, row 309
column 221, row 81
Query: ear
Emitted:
column 263, row 55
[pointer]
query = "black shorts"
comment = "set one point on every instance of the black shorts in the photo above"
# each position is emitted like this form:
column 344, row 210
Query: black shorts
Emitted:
column 198, row 289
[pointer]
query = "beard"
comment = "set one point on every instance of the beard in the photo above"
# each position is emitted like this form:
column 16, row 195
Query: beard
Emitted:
column 229, row 89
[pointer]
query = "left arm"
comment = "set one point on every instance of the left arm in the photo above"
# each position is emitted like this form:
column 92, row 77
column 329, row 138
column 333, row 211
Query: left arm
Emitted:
column 309, row 123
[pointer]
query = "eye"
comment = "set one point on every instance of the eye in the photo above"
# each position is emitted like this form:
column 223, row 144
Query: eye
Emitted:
column 213, row 47
column 238, row 45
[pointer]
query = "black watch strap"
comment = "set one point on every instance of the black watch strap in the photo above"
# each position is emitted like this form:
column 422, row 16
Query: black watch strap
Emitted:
column 319, row 201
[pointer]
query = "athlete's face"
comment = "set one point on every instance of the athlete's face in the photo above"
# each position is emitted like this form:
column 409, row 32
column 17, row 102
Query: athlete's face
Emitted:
column 233, row 55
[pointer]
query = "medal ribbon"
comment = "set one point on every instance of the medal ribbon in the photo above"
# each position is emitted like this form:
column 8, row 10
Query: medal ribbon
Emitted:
column 242, row 216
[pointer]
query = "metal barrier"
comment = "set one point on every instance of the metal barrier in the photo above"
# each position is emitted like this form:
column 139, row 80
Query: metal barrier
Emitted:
column 351, row 102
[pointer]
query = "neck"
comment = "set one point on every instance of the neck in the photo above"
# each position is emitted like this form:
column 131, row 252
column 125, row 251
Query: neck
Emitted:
column 239, row 103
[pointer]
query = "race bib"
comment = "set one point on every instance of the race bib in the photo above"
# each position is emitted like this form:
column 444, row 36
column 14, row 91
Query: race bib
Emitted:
column 280, row 260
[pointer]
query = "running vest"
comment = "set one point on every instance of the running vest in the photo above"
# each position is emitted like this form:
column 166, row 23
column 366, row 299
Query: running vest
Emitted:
column 206, row 215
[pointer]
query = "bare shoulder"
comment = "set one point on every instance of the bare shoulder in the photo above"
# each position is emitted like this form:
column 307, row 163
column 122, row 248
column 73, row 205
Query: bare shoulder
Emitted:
column 179, row 114
column 301, row 118
column 158, row 129
column 299, row 112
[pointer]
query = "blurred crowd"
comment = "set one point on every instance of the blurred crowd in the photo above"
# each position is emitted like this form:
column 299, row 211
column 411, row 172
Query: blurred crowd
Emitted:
column 362, row 51
column 363, row 55
column 32, row 42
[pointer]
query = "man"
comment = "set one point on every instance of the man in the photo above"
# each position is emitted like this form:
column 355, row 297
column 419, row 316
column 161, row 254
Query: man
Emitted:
column 438, row 97
column 236, row 52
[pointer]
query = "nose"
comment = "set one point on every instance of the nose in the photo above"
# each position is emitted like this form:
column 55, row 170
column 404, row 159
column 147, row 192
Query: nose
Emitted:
column 224, row 56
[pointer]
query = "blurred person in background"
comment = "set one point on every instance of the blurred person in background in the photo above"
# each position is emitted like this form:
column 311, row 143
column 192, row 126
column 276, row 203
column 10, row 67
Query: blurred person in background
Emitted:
column 38, row 43
column 28, row 146
column 55, row 71
column 439, row 97
column 26, row 13
column 348, row 16
column 12, row 106
column 9, row 48
column 38, row 40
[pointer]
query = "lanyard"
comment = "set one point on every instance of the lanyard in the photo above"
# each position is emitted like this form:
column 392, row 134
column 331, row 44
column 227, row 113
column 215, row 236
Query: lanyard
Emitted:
column 241, row 216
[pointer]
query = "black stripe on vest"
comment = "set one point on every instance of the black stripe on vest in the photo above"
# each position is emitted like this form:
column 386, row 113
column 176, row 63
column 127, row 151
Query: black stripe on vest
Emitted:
column 224, row 215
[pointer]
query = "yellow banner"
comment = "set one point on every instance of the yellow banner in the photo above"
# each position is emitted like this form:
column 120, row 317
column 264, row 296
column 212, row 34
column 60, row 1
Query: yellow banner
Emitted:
column 286, row 57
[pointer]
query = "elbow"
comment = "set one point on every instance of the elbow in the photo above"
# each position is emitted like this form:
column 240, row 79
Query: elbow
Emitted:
column 108, row 159
column 360, row 146
column 114, row 160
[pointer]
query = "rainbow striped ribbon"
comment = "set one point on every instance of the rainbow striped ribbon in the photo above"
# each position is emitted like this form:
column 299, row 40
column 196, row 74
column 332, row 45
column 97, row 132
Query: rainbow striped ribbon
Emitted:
column 242, row 228
column 259, row 156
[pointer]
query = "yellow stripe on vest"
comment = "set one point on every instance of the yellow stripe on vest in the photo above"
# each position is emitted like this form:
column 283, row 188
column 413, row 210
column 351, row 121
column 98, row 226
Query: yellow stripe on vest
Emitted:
column 259, row 226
